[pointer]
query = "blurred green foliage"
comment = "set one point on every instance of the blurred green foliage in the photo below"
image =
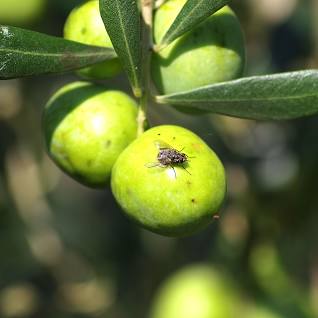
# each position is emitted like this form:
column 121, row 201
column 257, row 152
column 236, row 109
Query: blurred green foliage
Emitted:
column 67, row 251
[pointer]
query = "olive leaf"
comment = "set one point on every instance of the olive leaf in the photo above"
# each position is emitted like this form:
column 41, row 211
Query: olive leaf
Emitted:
column 277, row 96
column 25, row 53
column 123, row 24
column 192, row 13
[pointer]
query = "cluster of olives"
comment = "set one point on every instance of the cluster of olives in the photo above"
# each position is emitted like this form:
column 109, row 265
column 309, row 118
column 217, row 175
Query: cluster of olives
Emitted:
column 167, row 179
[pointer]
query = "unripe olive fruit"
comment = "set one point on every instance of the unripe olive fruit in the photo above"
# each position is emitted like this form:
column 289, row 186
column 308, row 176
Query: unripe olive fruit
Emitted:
column 196, row 291
column 19, row 12
column 212, row 52
column 86, row 127
column 172, row 200
column 84, row 24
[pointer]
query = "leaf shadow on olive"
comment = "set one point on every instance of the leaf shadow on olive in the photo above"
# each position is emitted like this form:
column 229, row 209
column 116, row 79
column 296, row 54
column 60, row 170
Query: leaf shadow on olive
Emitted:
column 63, row 104
column 200, row 37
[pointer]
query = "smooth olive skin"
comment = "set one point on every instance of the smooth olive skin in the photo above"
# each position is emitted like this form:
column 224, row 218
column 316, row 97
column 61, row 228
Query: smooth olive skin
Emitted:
column 196, row 291
column 84, row 24
column 212, row 52
column 159, row 200
column 86, row 128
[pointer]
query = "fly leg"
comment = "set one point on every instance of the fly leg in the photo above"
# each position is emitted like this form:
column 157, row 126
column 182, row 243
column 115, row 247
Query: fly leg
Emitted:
column 186, row 169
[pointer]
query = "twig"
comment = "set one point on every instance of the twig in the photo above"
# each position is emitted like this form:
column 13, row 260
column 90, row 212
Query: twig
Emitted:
column 147, row 43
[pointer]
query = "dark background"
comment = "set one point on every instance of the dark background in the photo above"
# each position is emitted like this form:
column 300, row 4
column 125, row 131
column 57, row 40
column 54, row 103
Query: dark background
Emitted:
column 68, row 251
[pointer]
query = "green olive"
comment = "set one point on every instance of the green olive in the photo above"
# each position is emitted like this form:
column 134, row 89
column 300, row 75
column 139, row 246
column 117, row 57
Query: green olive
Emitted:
column 19, row 12
column 173, row 200
column 84, row 24
column 86, row 128
column 196, row 291
column 212, row 52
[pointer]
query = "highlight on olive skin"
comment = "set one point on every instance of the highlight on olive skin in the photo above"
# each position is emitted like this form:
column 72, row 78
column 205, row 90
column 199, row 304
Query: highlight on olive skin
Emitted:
column 86, row 127
column 165, row 196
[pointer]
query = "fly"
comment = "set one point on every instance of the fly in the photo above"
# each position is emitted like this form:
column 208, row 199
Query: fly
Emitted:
column 168, row 157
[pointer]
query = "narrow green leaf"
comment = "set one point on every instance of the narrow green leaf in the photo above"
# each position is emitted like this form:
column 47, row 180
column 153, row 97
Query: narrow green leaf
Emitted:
column 192, row 13
column 123, row 25
column 278, row 96
column 26, row 53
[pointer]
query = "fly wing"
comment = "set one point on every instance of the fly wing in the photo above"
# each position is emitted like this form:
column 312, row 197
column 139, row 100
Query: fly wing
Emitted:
column 160, row 144
column 152, row 164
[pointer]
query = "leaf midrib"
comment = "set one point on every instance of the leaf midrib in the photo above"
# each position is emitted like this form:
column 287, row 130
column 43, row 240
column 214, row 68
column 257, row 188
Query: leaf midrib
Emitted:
column 126, row 42
column 158, row 99
column 35, row 53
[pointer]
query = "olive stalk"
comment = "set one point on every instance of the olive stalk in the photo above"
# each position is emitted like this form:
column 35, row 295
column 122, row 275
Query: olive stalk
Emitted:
column 147, row 44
